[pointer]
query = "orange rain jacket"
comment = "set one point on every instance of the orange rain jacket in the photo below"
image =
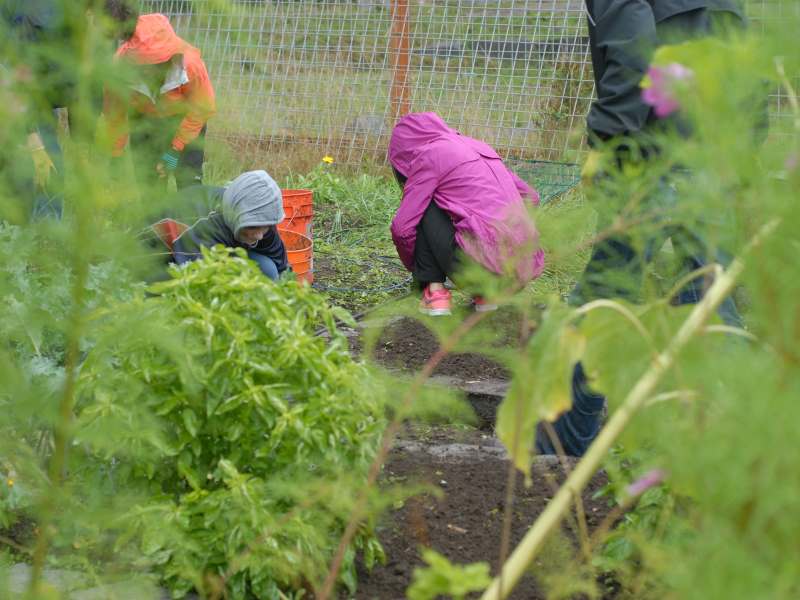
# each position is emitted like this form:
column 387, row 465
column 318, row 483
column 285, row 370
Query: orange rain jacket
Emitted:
column 187, row 90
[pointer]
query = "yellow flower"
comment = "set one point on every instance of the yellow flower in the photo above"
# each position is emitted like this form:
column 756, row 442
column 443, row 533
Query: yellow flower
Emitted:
column 10, row 482
column 327, row 159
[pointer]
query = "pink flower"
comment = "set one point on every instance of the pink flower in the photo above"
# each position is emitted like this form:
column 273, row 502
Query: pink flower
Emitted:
column 792, row 162
column 645, row 482
column 660, row 85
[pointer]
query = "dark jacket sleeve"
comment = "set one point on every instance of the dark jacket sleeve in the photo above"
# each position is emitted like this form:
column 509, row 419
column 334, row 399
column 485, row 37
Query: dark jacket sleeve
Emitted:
column 193, row 202
column 272, row 246
column 664, row 9
column 622, row 35
column 207, row 232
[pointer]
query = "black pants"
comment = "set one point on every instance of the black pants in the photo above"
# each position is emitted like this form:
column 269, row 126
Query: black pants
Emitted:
column 151, row 138
column 435, row 249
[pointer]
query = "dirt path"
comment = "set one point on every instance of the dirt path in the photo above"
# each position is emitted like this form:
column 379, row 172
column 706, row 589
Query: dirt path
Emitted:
column 468, row 467
column 465, row 522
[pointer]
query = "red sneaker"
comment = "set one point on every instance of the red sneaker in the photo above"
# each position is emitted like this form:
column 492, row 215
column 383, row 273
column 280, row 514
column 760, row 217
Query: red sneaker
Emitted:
column 481, row 305
column 436, row 303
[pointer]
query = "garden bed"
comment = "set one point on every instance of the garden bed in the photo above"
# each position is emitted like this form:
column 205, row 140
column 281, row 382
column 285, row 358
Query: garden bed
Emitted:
column 465, row 523
column 358, row 283
column 469, row 466
column 407, row 344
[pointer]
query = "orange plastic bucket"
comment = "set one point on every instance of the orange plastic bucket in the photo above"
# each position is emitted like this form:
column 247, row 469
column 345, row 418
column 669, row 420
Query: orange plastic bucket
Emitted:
column 169, row 230
column 299, row 208
column 300, row 251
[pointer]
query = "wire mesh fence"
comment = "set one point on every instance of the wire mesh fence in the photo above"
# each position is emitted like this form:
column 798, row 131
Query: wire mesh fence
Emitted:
column 299, row 79
column 761, row 12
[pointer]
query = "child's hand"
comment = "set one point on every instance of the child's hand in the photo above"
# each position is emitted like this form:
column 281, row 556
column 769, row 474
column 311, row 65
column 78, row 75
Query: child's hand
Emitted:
column 168, row 163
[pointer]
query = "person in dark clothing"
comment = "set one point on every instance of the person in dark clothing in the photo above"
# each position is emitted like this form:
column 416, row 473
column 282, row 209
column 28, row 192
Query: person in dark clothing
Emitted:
column 40, row 33
column 623, row 35
column 44, row 42
column 42, row 53
column 38, row 29
column 245, row 215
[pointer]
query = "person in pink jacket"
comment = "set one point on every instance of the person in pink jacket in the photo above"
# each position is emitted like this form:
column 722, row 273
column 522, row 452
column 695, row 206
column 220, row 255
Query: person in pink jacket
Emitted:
column 459, row 199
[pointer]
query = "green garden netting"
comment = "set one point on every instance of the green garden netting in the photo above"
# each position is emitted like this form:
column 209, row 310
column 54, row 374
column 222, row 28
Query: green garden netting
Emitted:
column 550, row 179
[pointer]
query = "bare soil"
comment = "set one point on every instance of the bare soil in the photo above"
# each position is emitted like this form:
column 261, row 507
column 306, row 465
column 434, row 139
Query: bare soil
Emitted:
column 469, row 470
column 407, row 344
column 465, row 523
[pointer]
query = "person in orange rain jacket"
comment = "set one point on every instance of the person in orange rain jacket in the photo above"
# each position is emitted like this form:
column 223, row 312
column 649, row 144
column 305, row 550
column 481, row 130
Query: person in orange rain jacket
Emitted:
column 162, row 105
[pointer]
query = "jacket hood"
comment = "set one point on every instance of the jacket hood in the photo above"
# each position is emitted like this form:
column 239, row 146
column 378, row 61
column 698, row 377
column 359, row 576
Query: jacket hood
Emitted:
column 252, row 200
column 153, row 42
column 411, row 134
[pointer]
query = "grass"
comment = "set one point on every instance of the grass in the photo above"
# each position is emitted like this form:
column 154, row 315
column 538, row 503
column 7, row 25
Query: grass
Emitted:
column 564, row 223
column 356, row 264
column 355, row 261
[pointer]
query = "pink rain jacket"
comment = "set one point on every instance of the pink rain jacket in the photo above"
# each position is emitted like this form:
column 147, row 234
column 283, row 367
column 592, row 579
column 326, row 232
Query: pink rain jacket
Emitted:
column 467, row 179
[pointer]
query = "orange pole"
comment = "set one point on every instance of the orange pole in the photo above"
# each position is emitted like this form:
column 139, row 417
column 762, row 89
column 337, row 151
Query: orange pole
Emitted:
column 398, row 41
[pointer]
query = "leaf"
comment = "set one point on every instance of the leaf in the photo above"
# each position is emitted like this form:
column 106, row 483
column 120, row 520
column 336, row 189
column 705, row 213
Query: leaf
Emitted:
column 190, row 421
column 617, row 354
column 618, row 549
column 373, row 553
column 442, row 578
column 541, row 384
column 186, row 471
column 251, row 398
column 344, row 316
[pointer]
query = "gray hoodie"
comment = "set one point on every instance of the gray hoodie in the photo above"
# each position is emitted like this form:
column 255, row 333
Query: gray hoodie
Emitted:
column 216, row 228
column 252, row 200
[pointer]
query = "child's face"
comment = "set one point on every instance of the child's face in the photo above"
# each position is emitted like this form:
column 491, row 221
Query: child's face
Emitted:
column 252, row 235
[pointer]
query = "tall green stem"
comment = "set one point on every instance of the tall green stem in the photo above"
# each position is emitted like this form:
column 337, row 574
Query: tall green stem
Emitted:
column 386, row 444
column 66, row 403
column 533, row 541
column 79, row 189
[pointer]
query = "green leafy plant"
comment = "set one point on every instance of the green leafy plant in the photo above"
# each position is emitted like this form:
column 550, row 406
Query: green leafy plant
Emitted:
column 35, row 291
column 264, row 430
column 203, row 432
column 703, row 400
column 443, row 578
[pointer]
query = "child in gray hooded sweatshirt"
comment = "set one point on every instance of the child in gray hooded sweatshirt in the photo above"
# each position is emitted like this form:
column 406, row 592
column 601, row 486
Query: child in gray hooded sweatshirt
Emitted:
column 250, row 208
